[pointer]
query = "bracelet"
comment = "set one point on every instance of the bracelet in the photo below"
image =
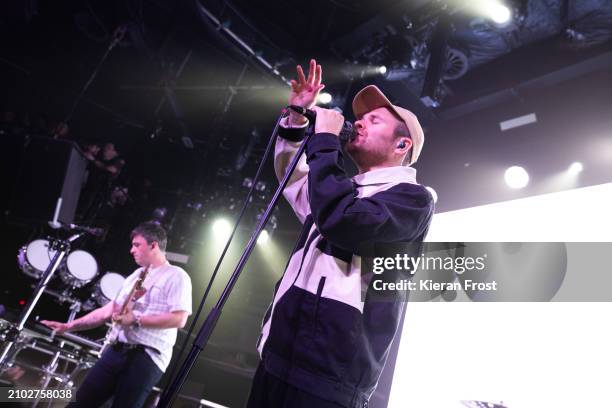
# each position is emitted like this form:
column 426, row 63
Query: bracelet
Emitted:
column 137, row 323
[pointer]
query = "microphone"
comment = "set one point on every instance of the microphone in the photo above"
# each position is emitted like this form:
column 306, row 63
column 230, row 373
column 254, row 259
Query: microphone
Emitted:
column 348, row 133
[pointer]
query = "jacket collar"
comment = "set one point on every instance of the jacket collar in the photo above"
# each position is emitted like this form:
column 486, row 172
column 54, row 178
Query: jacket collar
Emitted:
column 397, row 174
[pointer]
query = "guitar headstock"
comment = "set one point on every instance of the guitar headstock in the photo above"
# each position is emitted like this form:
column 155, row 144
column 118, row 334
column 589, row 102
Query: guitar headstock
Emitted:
column 142, row 277
column 138, row 290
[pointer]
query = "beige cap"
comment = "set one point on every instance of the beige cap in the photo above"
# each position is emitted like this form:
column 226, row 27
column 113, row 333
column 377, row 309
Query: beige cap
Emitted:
column 370, row 98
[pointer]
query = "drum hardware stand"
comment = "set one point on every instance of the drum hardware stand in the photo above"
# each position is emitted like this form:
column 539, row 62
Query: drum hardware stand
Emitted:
column 49, row 373
column 18, row 343
column 49, row 369
column 83, row 364
column 65, row 297
column 89, row 304
column 65, row 380
column 62, row 248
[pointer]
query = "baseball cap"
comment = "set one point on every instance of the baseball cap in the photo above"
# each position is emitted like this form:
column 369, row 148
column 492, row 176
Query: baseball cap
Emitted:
column 371, row 97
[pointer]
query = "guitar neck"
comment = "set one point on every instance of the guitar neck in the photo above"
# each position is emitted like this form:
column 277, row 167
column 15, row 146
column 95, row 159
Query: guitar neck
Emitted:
column 137, row 286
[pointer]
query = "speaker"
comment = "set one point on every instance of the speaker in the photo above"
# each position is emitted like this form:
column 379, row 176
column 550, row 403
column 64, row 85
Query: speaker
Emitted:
column 48, row 179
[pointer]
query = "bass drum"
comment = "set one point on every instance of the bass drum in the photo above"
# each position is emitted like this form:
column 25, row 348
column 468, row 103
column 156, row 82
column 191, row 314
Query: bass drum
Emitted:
column 34, row 258
column 79, row 269
column 107, row 288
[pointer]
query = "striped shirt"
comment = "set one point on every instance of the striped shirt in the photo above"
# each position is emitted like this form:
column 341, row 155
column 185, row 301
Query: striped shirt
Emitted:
column 168, row 289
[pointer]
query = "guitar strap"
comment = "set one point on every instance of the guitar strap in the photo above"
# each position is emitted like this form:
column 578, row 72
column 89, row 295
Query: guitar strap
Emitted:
column 153, row 281
column 148, row 284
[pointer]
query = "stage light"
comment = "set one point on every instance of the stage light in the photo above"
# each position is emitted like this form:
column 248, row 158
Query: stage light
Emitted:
column 263, row 238
column 516, row 177
column 497, row 12
column 324, row 98
column 160, row 213
column 575, row 168
column 247, row 182
column 382, row 70
column 222, row 229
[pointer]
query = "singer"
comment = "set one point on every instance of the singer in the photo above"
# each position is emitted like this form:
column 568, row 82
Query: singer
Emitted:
column 141, row 339
column 321, row 344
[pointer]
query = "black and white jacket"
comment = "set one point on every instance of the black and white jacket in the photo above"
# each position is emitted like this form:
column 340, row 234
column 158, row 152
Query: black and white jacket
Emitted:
column 319, row 334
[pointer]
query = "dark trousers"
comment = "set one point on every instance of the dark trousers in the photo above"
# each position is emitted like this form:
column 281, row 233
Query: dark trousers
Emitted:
column 126, row 375
column 268, row 391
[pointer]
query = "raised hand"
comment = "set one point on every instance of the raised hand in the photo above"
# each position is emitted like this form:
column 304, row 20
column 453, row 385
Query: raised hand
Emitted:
column 305, row 90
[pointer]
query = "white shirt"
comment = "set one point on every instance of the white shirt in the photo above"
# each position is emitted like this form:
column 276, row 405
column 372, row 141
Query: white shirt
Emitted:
column 168, row 289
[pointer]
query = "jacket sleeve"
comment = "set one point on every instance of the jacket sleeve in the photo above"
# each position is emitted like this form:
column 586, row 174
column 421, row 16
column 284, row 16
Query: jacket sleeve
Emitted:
column 296, row 192
column 401, row 213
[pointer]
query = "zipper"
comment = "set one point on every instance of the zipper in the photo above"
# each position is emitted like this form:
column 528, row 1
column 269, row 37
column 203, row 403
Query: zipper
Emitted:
column 319, row 292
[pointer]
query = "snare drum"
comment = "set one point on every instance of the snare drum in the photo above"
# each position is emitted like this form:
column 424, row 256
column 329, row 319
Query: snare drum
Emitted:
column 34, row 258
column 79, row 269
column 107, row 288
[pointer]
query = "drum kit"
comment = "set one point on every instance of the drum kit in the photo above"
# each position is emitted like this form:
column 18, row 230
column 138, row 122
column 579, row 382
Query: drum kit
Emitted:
column 77, row 270
column 80, row 286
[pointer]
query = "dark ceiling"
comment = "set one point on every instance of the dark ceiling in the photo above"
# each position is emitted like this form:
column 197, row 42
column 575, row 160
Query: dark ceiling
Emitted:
column 192, row 82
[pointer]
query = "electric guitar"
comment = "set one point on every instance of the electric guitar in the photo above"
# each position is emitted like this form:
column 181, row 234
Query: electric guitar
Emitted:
column 136, row 293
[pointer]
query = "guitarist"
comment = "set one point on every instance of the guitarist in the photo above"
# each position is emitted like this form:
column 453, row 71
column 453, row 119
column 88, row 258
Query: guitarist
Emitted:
column 141, row 339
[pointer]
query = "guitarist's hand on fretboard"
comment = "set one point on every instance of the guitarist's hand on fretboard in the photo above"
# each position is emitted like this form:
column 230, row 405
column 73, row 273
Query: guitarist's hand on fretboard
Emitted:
column 126, row 319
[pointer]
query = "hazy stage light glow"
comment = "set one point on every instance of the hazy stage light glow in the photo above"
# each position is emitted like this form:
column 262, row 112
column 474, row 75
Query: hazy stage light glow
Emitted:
column 263, row 238
column 516, row 177
column 325, row 98
column 499, row 13
column 222, row 229
column 575, row 168
column 493, row 9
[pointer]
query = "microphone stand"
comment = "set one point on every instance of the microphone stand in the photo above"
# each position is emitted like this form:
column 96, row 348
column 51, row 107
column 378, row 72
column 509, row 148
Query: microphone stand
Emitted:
column 196, row 317
column 211, row 320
